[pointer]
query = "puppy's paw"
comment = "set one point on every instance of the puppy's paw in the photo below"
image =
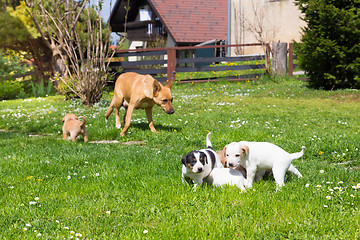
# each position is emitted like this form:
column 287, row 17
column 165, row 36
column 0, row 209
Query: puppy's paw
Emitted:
column 118, row 126
column 106, row 120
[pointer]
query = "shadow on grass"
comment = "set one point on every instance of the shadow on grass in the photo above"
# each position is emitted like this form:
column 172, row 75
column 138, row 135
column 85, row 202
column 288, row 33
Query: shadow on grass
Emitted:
column 158, row 127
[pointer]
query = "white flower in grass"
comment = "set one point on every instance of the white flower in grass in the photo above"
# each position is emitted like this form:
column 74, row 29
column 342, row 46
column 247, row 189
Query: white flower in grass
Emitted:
column 328, row 197
column 325, row 206
column 78, row 235
column 307, row 185
column 145, row 231
column 68, row 177
column 322, row 171
column 72, row 232
column 97, row 174
column 24, row 229
column 38, row 235
column 341, row 182
column 36, row 199
column 318, row 186
column 28, row 225
column 108, row 212
column 32, row 203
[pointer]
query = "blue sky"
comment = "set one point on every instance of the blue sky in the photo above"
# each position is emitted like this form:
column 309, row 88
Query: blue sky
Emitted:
column 105, row 13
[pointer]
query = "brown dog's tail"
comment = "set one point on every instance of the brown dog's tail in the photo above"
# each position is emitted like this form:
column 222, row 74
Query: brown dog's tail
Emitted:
column 83, row 124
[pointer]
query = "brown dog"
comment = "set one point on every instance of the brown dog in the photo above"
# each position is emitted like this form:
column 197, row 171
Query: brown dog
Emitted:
column 134, row 91
column 73, row 127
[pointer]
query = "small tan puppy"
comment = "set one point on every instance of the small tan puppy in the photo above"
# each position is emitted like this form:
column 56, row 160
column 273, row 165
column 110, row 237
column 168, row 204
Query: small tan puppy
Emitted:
column 73, row 127
column 133, row 91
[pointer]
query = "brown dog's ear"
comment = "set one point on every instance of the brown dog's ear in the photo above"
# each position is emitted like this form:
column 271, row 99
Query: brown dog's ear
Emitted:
column 244, row 150
column 169, row 85
column 151, row 86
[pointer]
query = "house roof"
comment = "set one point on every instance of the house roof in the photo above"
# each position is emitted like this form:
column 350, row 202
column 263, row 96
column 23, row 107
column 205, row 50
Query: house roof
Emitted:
column 193, row 21
column 187, row 21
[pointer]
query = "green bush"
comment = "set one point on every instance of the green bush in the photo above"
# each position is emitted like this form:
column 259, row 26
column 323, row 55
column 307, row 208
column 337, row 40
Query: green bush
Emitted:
column 10, row 89
column 330, row 48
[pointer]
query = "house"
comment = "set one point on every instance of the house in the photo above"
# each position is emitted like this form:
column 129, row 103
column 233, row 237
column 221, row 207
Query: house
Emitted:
column 176, row 23
column 189, row 23
column 263, row 21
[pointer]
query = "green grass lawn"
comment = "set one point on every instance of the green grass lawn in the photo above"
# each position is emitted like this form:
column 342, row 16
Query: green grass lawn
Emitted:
column 55, row 189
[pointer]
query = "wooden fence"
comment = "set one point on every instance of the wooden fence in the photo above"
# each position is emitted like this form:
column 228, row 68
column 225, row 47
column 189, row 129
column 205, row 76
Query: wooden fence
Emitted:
column 161, row 61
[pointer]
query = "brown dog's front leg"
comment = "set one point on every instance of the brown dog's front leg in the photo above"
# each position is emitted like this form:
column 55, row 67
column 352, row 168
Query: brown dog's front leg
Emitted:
column 150, row 120
column 127, row 119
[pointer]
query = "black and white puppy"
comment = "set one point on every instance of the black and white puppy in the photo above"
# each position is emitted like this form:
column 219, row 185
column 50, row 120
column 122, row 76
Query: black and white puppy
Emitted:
column 198, row 164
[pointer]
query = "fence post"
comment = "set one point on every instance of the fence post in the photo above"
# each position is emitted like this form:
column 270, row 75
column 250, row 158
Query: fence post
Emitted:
column 291, row 59
column 279, row 59
column 171, row 64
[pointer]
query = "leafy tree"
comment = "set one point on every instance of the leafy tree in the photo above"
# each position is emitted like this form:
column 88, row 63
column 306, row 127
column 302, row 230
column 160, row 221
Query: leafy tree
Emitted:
column 330, row 48
column 18, row 34
column 79, row 42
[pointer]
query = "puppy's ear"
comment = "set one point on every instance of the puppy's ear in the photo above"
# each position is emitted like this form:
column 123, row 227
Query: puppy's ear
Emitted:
column 205, row 159
column 151, row 86
column 183, row 160
column 244, row 150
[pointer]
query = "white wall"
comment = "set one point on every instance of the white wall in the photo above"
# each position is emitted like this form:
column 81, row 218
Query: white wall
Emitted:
column 253, row 21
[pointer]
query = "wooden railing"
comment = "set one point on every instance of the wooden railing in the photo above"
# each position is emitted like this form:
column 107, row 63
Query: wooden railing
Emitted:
column 161, row 61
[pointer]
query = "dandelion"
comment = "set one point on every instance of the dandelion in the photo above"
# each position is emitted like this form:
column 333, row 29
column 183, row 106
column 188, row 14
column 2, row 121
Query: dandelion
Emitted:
column 321, row 153
column 30, row 177
column 49, row 112
column 322, row 171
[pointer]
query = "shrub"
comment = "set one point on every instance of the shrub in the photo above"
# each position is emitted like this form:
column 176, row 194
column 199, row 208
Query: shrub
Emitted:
column 330, row 49
column 10, row 89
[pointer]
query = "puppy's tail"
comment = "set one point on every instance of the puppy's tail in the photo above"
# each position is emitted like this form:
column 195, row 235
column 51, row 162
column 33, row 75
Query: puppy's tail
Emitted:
column 208, row 142
column 298, row 154
column 83, row 124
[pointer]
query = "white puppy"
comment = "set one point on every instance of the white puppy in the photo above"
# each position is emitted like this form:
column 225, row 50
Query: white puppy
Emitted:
column 198, row 164
column 256, row 156
column 219, row 177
